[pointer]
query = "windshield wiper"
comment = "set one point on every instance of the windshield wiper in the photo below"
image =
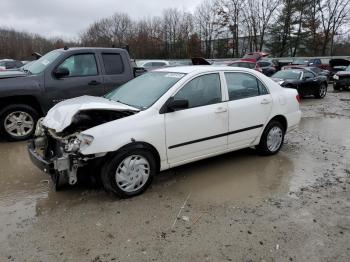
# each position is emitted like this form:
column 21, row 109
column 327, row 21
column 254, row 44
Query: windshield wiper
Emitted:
column 126, row 104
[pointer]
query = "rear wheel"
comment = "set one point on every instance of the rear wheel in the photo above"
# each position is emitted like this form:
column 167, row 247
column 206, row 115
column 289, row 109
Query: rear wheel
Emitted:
column 322, row 91
column 129, row 172
column 271, row 139
column 17, row 122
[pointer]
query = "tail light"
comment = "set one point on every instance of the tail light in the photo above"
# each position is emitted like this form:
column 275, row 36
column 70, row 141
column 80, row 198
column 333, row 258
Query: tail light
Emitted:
column 298, row 98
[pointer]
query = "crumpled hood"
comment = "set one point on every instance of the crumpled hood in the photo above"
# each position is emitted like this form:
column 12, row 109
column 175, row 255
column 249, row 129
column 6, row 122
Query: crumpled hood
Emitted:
column 60, row 116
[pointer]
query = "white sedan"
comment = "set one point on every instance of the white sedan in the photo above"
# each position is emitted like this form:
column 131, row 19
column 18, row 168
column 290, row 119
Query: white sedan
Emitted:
column 162, row 119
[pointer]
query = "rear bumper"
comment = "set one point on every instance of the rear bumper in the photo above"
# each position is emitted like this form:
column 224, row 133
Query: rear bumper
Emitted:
column 38, row 161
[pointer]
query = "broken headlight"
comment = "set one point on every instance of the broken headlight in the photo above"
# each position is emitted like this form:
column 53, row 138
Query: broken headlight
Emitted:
column 81, row 142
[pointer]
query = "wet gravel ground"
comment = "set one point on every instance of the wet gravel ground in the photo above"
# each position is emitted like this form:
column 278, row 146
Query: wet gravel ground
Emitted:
column 237, row 207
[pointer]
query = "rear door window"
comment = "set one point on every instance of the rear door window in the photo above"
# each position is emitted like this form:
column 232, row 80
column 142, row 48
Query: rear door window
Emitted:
column 113, row 63
column 242, row 85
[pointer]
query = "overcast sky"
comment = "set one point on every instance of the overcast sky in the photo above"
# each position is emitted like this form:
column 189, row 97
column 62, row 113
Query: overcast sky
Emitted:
column 67, row 18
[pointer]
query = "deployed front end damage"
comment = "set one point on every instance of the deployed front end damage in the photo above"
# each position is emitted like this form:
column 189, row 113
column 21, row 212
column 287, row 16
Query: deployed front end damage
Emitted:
column 58, row 142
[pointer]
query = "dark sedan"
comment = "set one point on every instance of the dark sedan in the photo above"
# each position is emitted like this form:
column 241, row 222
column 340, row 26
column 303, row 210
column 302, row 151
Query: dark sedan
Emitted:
column 304, row 81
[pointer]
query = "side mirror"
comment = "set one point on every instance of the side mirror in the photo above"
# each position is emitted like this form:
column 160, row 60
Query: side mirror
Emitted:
column 175, row 105
column 61, row 72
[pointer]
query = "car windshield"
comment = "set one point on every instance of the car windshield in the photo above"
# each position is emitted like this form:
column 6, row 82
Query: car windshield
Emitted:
column 287, row 74
column 145, row 90
column 300, row 62
column 348, row 68
column 39, row 65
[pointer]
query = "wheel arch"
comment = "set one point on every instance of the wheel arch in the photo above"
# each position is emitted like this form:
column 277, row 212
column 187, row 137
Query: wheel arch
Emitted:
column 139, row 145
column 25, row 99
column 282, row 119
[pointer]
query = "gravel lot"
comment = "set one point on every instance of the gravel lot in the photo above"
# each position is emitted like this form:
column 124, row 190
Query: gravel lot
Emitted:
column 237, row 207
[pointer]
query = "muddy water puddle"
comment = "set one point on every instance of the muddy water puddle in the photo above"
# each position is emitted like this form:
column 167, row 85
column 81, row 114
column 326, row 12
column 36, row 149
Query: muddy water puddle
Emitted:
column 25, row 192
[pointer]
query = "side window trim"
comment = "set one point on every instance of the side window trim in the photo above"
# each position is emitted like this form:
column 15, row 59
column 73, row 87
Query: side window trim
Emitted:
column 88, row 53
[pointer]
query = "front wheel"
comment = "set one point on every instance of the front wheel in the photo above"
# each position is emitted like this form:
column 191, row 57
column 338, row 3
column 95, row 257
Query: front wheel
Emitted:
column 322, row 91
column 17, row 122
column 129, row 172
column 271, row 139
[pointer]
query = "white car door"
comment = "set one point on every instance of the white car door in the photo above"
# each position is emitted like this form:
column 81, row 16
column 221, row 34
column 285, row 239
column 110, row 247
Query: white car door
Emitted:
column 249, row 106
column 201, row 129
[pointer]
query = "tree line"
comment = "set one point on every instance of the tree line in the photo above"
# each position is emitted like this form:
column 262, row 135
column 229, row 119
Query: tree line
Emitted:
column 215, row 29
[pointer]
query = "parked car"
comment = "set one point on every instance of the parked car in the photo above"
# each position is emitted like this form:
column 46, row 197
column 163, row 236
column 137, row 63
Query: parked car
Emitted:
column 29, row 93
column 247, row 64
column 152, row 64
column 318, row 71
column 314, row 62
column 6, row 64
column 342, row 79
column 162, row 119
column 303, row 80
column 254, row 56
column 268, row 67
column 337, row 65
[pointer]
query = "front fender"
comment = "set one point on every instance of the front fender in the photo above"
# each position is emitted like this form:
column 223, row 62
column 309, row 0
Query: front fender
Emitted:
column 146, row 126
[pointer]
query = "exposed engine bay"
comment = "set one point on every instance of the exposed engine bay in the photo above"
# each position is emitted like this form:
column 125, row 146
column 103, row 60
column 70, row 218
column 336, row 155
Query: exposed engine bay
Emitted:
column 89, row 118
column 62, row 149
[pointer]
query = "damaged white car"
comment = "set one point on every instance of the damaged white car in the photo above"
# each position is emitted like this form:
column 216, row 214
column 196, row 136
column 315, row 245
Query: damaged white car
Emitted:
column 160, row 120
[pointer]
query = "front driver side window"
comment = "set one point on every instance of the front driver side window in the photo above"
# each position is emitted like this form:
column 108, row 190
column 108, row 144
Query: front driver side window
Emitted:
column 80, row 65
column 201, row 91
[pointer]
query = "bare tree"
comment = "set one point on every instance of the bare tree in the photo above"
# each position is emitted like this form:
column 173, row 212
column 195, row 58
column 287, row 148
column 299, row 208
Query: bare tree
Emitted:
column 334, row 15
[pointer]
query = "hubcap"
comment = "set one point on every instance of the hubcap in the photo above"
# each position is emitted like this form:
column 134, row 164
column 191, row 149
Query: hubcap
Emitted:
column 19, row 124
column 274, row 138
column 132, row 173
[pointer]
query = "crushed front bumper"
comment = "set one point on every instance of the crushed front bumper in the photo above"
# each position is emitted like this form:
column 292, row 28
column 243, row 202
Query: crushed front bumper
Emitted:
column 38, row 160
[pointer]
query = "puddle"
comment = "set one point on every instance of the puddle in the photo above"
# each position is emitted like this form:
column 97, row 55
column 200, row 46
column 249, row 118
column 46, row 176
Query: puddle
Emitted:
column 24, row 194
column 243, row 174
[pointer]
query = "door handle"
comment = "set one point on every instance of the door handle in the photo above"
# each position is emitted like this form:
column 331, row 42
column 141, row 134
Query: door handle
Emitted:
column 94, row 83
column 220, row 110
column 265, row 102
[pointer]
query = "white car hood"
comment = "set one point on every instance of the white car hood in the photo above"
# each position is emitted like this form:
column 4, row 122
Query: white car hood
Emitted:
column 60, row 116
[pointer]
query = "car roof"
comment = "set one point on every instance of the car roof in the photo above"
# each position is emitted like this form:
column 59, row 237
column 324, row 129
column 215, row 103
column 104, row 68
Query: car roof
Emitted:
column 201, row 68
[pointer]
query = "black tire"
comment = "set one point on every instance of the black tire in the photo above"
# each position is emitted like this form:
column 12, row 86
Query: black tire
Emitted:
column 263, row 148
column 322, row 91
column 6, row 111
column 110, row 168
